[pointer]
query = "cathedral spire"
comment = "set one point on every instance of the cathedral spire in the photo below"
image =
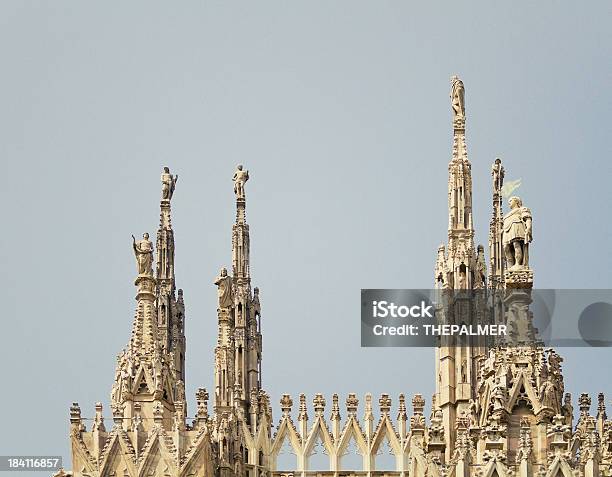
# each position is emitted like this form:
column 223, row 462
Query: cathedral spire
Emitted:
column 144, row 378
column 460, row 266
column 170, row 313
column 238, row 353
column 496, row 266
column 460, row 171
column 240, row 230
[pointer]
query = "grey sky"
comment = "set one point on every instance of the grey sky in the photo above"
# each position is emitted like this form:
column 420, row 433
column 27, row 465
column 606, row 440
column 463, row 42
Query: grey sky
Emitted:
column 340, row 110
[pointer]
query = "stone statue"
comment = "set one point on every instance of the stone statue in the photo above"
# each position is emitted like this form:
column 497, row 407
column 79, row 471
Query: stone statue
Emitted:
column 474, row 412
column 143, row 249
column 498, row 396
column 548, row 394
column 481, row 266
column 180, row 391
column 168, row 184
column 457, row 98
column 517, row 235
column 156, row 365
column 224, row 289
column 240, row 177
column 498, row 175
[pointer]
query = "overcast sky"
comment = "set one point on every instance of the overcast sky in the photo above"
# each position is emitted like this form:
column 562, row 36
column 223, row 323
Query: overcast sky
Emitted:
column 340, row 111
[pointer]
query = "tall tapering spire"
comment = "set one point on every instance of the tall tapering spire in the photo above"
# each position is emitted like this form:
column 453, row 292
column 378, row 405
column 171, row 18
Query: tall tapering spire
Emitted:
column 170, row 312
column 240, row 230
column 460, row 225
column 144, row 379
column 238, row 353
column 496, row 265
column 460, row 266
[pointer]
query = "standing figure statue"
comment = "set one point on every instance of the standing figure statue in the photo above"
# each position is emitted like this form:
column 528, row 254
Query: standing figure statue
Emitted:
column 498, row 175
column 517, row 235
column 457, row 98
column 168, row 184
column 224, row 289
column 498, row 396
column 240, row 177
column 481, row 268
column 143, row 249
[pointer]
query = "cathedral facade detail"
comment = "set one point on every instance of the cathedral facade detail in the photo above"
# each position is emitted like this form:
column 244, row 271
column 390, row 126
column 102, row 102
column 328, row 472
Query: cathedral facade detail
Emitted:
column 497, row 410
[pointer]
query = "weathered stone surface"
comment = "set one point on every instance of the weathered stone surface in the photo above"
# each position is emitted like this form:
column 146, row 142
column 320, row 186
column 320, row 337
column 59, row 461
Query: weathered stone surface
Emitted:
column 498, row 410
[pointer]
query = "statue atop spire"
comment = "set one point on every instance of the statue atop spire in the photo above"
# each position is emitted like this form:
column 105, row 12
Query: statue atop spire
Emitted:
column 240, row 178
column 168, row 184
column 517, row 235
column 458, row 101
column 224, row 289
column 143, row 250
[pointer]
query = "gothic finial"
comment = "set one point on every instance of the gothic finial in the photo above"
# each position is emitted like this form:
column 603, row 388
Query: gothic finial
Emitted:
column 98, row 424
column 584, row 401
column 402, row 414
column 417, row 421
column 384, row 403
column 202, row 404
column 75, row 417
column 286, row 402
column 319, row 404
column 601, row 404
column 351, row 404
column 335, row 414
column 303, row 415
column 368, row 406
column 117, row 412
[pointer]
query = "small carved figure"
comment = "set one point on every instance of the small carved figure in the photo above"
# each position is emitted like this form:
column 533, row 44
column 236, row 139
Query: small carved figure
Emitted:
column 548, row 394
column 224, row 289
column 168, row 184
column 457, row 98
column 240, row 177
column 157, row 369
column 474, row 410
column 498, row 396
column 481, row 267
column 517, row 234
column 143, row 250
column 498, row 175
column 180, row 391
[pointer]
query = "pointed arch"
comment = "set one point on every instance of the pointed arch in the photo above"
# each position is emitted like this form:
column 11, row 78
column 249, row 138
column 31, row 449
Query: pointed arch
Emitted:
column 559, row 468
